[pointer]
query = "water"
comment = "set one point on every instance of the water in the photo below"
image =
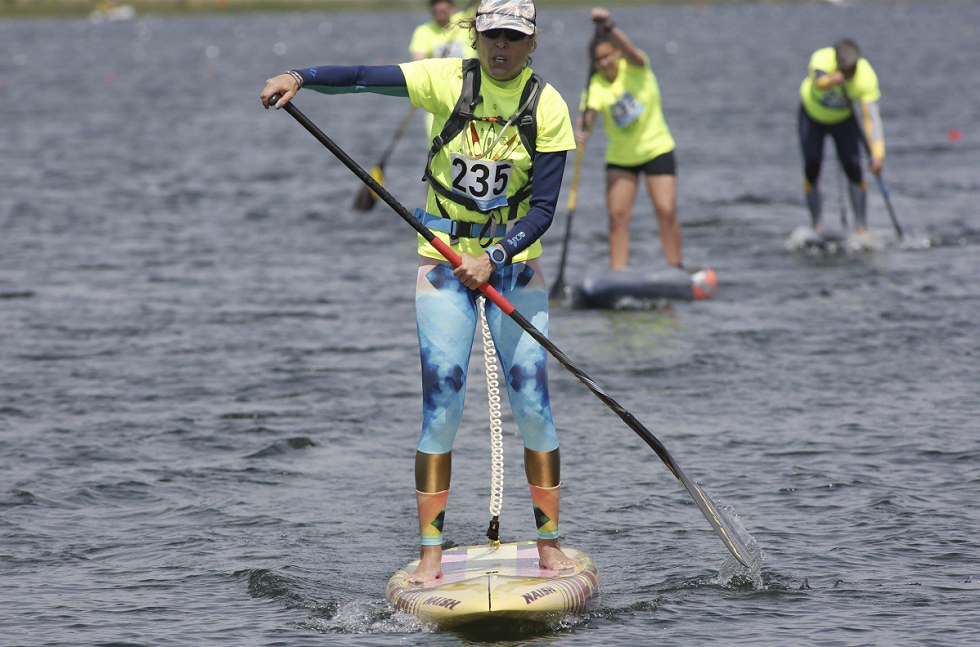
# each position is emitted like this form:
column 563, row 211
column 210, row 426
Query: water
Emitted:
column 209, row 390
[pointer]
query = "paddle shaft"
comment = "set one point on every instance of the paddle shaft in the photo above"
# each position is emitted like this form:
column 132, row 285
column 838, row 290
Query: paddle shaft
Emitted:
column 842, row 197
column 888, row 205
column 559, row 284
column 882, row 187
column 402, row 127
column 724, row 530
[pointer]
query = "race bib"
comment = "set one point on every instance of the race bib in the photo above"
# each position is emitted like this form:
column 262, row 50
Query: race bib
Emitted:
column 626, row 110
column 834, row 98
column 483, row 181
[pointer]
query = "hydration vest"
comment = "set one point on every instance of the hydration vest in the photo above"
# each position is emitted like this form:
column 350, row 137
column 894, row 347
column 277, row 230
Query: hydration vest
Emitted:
column 460, row 118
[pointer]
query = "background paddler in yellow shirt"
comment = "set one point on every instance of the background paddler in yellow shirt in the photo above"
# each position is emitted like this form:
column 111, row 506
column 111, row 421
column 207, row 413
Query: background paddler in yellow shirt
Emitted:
column 839, row 81
column 624, row 91
column 442, row 36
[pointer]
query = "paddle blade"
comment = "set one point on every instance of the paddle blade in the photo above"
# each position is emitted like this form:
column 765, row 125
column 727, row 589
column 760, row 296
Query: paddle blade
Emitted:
column 718, row 518
column 366, row 198
column 722, row 523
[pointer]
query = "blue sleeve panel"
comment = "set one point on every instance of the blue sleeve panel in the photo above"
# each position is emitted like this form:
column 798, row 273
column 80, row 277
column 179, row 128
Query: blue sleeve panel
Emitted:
column 548, row 171
column 346, row 79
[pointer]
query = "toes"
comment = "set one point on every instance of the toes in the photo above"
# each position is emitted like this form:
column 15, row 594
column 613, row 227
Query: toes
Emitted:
column 417, row 577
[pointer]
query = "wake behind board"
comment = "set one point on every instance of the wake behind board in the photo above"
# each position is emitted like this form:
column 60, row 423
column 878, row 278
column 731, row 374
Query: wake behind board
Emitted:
column 494, row 583
column 637, row 288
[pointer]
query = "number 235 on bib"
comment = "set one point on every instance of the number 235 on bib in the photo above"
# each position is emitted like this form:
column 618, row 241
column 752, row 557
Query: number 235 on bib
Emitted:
column 483, row 181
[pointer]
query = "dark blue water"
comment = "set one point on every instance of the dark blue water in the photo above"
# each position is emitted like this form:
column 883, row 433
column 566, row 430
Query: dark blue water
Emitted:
column 209, row 389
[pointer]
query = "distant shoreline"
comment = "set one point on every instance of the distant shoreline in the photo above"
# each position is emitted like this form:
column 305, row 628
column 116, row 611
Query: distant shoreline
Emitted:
column 74, row 8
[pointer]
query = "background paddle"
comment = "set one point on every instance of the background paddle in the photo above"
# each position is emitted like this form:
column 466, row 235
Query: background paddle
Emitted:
column 888, row 205
column 558, row 287
column 365, row 198
column 882, row 187
column 841, row 197
column 718, row 520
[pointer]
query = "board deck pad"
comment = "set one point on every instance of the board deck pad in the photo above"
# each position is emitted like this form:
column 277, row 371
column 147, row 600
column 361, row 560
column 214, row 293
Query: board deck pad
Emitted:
column 482, row 583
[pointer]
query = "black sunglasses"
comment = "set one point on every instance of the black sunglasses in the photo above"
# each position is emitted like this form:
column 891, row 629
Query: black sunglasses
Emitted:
column 510, row 34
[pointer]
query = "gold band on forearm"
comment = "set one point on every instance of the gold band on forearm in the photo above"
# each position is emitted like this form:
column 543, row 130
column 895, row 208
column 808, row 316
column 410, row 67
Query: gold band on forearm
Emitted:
column 433, row 471
column 543, row 468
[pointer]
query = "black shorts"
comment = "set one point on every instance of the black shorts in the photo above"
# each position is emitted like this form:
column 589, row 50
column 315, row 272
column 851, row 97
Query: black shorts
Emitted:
column 660, row 165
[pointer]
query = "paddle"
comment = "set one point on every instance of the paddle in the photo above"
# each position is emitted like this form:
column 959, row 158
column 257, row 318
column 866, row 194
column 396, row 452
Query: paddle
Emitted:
column 559, row 285
column 882, row 187
column 843, row 198
column 365, row 198
column 888, row 205
column 718, row 520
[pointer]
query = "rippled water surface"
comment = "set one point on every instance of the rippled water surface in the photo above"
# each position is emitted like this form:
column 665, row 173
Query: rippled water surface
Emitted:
column 209, row 388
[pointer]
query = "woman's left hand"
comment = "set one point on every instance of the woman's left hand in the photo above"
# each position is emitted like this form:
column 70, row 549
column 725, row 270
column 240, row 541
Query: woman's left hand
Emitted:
column 473, row 271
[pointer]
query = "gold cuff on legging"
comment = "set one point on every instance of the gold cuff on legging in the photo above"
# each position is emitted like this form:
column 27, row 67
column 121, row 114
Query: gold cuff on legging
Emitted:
column 542, row 468
column 433, row 471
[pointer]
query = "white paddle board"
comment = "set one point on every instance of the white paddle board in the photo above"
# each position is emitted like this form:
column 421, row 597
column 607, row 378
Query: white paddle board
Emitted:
column 503, row 582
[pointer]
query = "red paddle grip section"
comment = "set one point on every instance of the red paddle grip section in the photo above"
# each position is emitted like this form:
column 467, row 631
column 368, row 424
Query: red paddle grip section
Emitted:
column 491, row 292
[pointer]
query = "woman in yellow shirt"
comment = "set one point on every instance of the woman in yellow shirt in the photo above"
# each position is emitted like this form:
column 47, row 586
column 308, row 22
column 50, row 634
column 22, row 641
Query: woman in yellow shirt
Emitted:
column 624, row 90
column 482, row 203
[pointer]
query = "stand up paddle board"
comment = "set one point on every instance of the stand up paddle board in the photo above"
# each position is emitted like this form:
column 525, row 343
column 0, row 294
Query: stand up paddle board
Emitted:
column 502, row 582
column 831, row 243
column 639, row 288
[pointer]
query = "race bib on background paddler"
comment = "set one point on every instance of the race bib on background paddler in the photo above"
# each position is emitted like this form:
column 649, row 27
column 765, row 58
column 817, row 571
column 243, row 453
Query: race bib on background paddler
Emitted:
column 626, row 110
column 834, row 98
column 483, row 181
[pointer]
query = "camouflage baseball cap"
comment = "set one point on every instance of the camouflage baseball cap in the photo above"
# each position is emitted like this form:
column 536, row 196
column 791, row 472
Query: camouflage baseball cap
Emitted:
column 506, row 14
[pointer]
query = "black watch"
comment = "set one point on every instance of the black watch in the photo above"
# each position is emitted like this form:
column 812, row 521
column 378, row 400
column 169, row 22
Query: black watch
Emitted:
column 497, row 256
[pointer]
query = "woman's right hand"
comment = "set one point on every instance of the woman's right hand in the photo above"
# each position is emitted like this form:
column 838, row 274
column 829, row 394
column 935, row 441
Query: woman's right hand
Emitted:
column 581, row 136
column 599, row 15
column 283, row 84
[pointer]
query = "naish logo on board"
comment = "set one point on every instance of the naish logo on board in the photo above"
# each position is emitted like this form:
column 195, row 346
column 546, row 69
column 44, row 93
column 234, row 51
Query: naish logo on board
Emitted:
column 445, row 603
column 537, row 594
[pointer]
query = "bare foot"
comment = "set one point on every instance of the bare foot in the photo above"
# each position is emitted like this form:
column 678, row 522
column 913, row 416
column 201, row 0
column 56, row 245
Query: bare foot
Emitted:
column 551, row 557
column 430, row 566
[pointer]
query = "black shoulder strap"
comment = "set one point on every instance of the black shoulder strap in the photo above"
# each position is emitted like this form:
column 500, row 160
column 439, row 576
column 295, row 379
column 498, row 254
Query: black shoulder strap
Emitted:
column 528, row 124
column 469, row 98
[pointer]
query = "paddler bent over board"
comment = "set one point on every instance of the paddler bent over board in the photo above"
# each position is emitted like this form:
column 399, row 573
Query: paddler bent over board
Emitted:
column 837, row 78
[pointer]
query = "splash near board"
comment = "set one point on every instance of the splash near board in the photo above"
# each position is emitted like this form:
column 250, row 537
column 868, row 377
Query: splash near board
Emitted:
column 831, row 243
column 640, row 288
column 503, row 582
